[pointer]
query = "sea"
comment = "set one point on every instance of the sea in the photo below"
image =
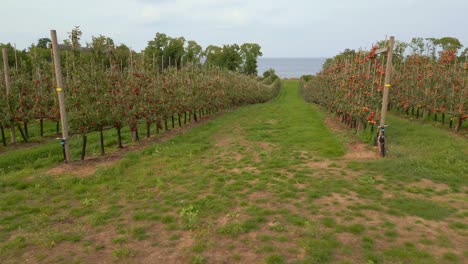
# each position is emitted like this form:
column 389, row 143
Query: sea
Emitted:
column 290, row 67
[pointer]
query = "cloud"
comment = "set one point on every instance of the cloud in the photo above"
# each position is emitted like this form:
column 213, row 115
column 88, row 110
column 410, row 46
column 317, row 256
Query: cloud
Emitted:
column 282, row 27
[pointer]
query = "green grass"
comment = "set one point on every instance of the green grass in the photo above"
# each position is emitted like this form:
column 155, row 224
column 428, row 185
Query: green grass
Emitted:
column 259, row 182
column 417, row 151
column 422, row 208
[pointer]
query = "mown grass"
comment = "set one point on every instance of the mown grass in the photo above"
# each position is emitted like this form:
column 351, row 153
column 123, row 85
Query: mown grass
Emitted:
column 246, row 184
column 421, row 151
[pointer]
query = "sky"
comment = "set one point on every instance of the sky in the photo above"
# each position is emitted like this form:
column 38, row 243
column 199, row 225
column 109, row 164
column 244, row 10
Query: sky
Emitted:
column 283, row 28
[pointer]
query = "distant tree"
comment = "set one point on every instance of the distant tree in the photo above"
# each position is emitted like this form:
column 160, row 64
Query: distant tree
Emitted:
column 449, row 43
column 122, row 55
column 346, row 53
column 213, row 55
column 100, row 45
column 417, row 46
column 399, row 49
column 174, row 51
column 249, row 53
column 43, row 43
column 75, row 36
column 464, row 55
column 164, row 49
column 231, row 58
column 307, row 77
column 270, row 73
column 193, row 52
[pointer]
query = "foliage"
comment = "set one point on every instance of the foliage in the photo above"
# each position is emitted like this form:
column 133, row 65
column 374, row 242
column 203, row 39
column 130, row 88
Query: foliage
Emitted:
column 351, row 83
column 270, row 73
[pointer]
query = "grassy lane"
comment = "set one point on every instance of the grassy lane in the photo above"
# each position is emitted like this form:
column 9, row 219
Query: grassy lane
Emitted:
column 267, row 183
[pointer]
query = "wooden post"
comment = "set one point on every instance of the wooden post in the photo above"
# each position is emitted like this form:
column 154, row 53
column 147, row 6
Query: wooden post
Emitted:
column 16, row 58
column 6, row 70
column 61, row 96
column 388, row 72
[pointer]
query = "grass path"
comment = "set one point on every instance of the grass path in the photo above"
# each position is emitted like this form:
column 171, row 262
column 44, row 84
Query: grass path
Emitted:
column 267, row 183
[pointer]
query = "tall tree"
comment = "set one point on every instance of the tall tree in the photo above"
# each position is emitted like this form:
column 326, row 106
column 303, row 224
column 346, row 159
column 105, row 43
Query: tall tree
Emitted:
column 75, row 36
column 193, row 52
column 231, row 58
column 449, row 43
column 250, row 52
column 213, row 55
column 164, row 49
column 101, row 45
column 43, row 43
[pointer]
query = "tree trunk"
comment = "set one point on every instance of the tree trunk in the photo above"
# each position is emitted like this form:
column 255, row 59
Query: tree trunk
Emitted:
column 443, row 118
column 101, row 137
column 180, row 121
column 459, row 123
column 26, row 131
column 185, row 117
column 172, row 117
column 195, row 116
column 119, row 137
column 137, row 137
column 83, row 147
column 165, row 124
column 3, row 136
column 41, row 122
column 148, row 130
column 25, row 139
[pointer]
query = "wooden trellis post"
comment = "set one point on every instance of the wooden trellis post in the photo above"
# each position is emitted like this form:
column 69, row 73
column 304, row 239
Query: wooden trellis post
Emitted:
column 6, row 70
column 387, row 85
column 61, row 96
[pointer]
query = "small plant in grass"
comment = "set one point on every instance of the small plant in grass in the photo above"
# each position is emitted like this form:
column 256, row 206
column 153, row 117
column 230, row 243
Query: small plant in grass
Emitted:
column 120, row 240
column 198, row 259
column 355, row 229
column 278, row 227
column 174, row 237
column 201, row 244
column 391, row 233
column 232, row 229
column 264, row 238
column 90, row 202
column 123, row 252
column 189, row 217
column 328, row 222
column 458, row 225
column 265, row 248
column 139, row 233
column 452, row 257
column 99, row 247
column 275, row 259
column 236, row 257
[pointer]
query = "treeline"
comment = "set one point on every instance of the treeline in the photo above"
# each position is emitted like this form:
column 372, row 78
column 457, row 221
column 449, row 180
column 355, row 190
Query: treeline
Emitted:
column 161, row 52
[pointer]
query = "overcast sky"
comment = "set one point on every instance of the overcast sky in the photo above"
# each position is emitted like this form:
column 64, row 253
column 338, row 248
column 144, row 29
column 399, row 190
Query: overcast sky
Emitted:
column 284, row 28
